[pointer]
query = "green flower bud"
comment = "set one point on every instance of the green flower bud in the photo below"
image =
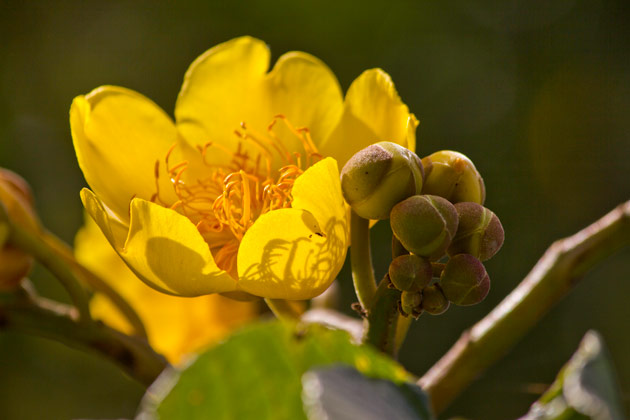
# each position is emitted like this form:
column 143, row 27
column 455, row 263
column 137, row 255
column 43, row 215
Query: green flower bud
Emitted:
column 410, row 303
column 434, row 301
column 479, row 234
column 410, row 273
column 378, row 177
column 16, row 202
column 425, row 225
column 453, row 176
column 465, row 280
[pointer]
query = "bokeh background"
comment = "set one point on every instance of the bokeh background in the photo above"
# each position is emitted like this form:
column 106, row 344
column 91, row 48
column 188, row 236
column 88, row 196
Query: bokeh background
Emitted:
column 535, row 92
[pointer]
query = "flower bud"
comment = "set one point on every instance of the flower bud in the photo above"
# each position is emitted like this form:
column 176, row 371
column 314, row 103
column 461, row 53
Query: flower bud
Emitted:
column 453, row 176
column 425, row 225
column 378, row 177
column 17, row 201
column 434, row 301
column 410, row 273
column 465, row 280
column 410, row 303
column 479, row 234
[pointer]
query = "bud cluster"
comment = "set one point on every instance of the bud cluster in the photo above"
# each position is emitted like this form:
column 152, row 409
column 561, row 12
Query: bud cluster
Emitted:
column 442, row 232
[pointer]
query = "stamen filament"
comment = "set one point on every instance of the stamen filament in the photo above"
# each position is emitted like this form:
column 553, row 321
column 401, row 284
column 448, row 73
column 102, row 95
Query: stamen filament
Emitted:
column 234, row 194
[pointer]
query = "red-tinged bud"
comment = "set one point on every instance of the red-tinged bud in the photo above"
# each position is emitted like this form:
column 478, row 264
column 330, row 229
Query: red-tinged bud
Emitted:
column 465, row 280
column 434, row 301
column 425, row 225
column 410, row 273
column 16, row 207
column 479, row 234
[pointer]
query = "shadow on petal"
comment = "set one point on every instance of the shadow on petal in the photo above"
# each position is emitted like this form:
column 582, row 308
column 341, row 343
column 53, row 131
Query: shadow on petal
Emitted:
column 299, row 268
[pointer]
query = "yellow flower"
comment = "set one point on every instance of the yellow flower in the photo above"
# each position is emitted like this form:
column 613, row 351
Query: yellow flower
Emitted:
column 176, row 326
column 239, row 193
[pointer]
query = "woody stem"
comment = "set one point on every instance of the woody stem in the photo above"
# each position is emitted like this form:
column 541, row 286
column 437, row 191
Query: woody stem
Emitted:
column 24, row 312
column 34, row 245
column 87, row 277
column 555, row 274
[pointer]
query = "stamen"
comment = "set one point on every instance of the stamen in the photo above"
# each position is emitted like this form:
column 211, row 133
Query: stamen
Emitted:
column 234, row 194
column 168, row 155
column 307, row 142
column 284, row 154
column 260, row 145
column 203, row 149
column 156, row 174
column 179, row 165
column 247, row 199
column 275, row 141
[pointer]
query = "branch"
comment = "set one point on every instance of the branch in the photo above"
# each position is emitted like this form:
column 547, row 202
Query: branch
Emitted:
column 62, row 250
column 33, row 244
column 44, row 318
column 552, row 277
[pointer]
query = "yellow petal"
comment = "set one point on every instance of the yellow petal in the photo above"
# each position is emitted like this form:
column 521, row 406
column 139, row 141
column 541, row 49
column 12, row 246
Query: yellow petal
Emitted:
column 118, row 136
column 176, row 326
column 296, row 253
column 163, row 248
column 318, row 191
column 373, row 112
column 221, row 88
column 114, row 230
column 302, row 88
column 228, row 85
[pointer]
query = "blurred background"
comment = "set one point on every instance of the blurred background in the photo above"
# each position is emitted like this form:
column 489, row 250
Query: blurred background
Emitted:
column 536, row 93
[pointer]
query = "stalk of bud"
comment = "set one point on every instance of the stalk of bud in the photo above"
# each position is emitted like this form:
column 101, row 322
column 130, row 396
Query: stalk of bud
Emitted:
column 397, row 248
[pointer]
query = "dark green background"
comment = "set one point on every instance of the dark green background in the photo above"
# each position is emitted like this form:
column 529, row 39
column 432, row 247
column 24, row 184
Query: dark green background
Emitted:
column 536, row 93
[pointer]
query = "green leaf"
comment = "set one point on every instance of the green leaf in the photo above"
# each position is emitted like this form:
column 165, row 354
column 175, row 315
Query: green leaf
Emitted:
column 342, row 393
column 257, row 374
column 585, row 388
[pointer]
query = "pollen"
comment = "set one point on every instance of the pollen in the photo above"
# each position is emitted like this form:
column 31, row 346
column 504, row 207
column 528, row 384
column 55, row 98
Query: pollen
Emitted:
column 257, row 178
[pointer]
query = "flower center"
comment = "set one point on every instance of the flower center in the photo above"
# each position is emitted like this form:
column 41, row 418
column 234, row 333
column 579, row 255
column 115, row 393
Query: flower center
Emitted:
column 230, row 196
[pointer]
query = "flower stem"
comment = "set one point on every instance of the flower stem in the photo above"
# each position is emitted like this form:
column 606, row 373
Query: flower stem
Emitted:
column 284, row 309
column 382, row 319
column 34, row 245
column 59, row 247
column 552, row 278
column 361, row 260
column 402, row 328
column 28, row 314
